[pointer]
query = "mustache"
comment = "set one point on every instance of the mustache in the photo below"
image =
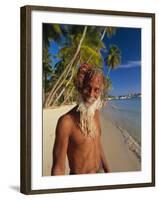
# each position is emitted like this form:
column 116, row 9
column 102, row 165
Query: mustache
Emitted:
column 90, row 100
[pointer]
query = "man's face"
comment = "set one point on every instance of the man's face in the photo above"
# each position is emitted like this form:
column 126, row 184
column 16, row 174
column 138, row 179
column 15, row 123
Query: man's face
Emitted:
column 92, row 89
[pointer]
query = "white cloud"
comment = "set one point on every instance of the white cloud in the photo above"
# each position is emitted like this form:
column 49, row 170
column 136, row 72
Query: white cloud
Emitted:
column 130, row 64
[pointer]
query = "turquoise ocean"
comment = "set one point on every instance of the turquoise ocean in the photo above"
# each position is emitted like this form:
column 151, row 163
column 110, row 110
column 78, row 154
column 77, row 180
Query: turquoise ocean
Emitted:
column 126, row 114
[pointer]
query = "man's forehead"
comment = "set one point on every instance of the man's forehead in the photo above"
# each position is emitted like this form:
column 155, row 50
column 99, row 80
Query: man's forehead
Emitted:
column 96, row 78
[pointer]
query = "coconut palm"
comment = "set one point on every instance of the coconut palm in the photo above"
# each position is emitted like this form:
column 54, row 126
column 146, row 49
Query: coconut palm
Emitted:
column 47, row 70
column 78, row 44
column 51, row 32
column 68, row 67
column 110, row 31
column 113, row 58
column 108, row 84
column 88, row 47
column 66, row 84
column 106, row 31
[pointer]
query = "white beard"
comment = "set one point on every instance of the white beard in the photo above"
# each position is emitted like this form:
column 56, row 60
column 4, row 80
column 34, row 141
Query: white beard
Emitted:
column 87, row 123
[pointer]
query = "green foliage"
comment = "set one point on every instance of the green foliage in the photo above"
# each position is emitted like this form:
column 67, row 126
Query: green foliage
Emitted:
column 110, row 31
column 51, row 32
column 68, row 38
column 92, row 38
column 65, row 54
column 113, row 58
column 86, row 52
column 47, row 69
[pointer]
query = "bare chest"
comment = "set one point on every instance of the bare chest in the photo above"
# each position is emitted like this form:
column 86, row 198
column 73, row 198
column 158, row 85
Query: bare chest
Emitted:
column 79, row 138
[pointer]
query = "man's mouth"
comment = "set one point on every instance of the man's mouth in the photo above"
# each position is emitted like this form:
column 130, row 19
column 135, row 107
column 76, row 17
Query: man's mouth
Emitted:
column 90, row 101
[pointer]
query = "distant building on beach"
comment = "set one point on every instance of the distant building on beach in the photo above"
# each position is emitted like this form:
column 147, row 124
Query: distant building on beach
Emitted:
column 128, row 96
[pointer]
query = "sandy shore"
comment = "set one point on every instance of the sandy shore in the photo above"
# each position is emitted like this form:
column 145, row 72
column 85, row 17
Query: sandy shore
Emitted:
column 121, row 151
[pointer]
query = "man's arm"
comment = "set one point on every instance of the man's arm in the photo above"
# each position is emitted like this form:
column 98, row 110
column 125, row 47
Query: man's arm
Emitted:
column 63, row 130
column 104, row 162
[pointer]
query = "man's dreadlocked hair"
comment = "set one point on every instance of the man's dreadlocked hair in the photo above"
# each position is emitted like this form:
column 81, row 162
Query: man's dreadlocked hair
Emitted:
column 82, row 70
column 85, row 73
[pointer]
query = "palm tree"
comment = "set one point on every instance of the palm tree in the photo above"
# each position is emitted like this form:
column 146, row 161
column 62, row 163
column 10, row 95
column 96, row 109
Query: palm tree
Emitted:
column 51, row 32
column 78, row 44
column 64, row 87
column 113, row 58
column 88, row 47
column 68, row 95
column 108, row 84
column 110, row 31
column 68, row 67
column 47, row 70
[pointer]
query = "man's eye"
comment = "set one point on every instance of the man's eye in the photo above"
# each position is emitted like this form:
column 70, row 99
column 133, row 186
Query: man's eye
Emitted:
column 86, row 88
column 96, row 90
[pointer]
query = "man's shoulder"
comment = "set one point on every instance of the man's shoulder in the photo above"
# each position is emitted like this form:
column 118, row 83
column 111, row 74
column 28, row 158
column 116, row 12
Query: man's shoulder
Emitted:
column 64, row 125
column 67, row 119
column 64, row 118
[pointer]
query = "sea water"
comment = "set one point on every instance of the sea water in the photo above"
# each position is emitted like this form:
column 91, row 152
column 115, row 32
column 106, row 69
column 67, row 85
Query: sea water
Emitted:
column 126, row 114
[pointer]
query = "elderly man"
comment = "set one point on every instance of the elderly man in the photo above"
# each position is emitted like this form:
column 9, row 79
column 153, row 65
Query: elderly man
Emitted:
column 78, row 132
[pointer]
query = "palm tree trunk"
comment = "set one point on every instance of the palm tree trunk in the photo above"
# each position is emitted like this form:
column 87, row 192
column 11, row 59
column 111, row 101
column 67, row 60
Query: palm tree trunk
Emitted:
column 105, row 29
column 57, row 86
column 45, row 87
column 43, row 96
column 60, row 85
column 109, row 69
column 64, row 88
column 68, row 96
column 101, row 40
column 53, row 90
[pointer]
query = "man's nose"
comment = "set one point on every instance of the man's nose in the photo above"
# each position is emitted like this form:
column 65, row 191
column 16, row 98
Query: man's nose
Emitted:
column 91, row 93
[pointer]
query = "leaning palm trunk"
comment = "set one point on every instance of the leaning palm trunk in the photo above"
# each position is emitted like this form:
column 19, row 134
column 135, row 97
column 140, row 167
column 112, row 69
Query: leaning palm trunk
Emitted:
column 101, row 40
column 54, row 89
column 70, row 93
column 60, row 84
column 63, row 90
column 109, row 69
column 57, row 86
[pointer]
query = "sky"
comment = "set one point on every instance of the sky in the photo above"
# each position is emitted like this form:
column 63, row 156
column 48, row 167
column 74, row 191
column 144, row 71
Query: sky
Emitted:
column 126, row 78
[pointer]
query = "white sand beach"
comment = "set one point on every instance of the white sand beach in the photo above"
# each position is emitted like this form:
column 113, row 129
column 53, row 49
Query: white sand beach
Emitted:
column 121, row 151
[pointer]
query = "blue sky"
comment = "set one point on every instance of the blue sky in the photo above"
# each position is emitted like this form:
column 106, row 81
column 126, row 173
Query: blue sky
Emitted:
column 126, row 78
